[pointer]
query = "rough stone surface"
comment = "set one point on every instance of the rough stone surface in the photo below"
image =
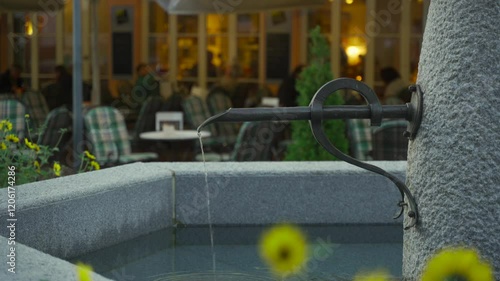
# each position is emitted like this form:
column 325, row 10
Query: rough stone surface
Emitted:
column 454, row 163
column 297, row 192
column 72, row 215
column 33, row 265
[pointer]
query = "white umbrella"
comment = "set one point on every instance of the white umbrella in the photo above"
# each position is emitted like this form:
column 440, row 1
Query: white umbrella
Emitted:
column 232, row 6
column 30, row 5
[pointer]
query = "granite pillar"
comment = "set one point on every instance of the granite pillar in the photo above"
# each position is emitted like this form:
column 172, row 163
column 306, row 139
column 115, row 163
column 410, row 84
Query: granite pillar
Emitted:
column 454, row 163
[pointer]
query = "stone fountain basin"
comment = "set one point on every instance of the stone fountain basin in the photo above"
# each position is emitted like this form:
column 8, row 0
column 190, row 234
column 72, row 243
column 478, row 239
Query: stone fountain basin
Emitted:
column 66, row 217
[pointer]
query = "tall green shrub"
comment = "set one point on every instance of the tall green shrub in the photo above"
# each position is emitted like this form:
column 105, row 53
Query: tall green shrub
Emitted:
column 316, row 74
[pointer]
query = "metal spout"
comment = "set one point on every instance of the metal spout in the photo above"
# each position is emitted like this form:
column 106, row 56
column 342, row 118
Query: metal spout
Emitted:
column 304, row 113
column 316, row 112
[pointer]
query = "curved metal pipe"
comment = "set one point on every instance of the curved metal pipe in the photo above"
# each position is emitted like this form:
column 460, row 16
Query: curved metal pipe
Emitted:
column 316, row 112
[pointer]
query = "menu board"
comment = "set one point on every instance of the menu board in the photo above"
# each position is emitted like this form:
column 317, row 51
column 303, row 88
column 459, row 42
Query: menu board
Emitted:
column 277, row 55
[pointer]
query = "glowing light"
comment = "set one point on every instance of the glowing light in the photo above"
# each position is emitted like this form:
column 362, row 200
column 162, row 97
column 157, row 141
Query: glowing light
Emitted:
column 359, row 77
column 353, row 51
column 349, row 2
column 28, row 26
column 353, row 54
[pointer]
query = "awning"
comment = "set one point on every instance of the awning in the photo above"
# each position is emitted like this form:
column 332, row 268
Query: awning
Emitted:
column 30, row 5
column 232, row 6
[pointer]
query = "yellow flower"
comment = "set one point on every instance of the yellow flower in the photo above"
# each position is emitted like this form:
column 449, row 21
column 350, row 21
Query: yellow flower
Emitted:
column 83, row 272
column 37, row 166
column 32, row 146
column 3, row 146
column 28, row 143
column 284, row 249
column 5, row 125
column 95, row 165
column 89, row 155
column 460, row 263
column 57, row 169
column 12, row 138
column 380, row 275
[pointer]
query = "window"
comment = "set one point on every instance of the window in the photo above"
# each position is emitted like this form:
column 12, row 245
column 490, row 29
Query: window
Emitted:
column 47, row 45
column 248, row 26
column 187, row 47
column 417, row 30
column 386, row 30
column 353, row 39
column 21, row 41
column 217, row 45
column 320, row 17
column 158, row 38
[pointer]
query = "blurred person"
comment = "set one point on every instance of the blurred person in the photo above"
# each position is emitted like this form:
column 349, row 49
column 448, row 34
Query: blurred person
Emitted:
column 146, row 81
column 62, row 91
column 394, row 86
column 230, row 79
column 287, row 93
column 212, row 69
column 11, row 81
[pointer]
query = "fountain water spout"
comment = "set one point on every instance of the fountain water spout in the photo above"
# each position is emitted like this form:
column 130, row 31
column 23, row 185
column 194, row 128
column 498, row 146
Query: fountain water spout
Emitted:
column 316, row 112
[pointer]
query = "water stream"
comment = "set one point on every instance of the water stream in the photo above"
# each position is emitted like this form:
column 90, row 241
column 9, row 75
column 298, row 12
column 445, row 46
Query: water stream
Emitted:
column 208, row 204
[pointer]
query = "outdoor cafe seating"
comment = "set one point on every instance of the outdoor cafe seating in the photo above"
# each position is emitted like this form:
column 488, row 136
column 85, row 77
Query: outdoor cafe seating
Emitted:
column 106, row 130
column 14, row 111
column 52, row 135
column 382, row 143
column 218, row 101
column 37, row 108
column 260, row 141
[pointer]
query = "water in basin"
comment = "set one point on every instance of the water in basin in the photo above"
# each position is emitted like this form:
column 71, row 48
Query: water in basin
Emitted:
column 337, row 253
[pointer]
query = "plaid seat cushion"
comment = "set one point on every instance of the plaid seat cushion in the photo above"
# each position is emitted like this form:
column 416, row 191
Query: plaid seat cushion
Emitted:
column 389, row 142
column 57, row 119
column 37, row 108
column 147, row 115
column 108, row 135
column 360, row 138
column 254, row 143
column 196, row 113
column 218, row 101
column 14, row 111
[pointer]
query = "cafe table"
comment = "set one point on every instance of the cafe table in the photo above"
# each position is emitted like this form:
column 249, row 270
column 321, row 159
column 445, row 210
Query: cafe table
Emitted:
column 177, row 141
